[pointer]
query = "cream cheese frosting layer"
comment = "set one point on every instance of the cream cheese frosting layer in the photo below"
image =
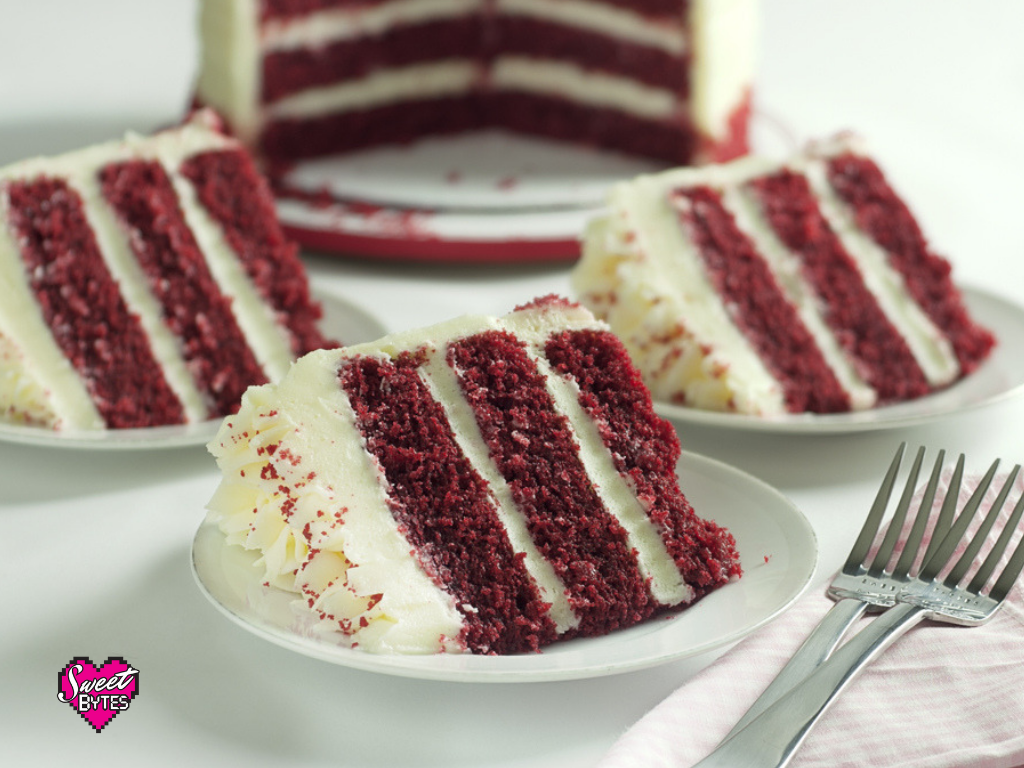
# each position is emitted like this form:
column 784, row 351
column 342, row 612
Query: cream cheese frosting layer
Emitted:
column 453, row 78
column 666, row 34
column 930, row 348
column 333, row 25
column 336, row 24
column 229, row 78
column 724, row 48
column 336, row 545
column 591, row 88
column 424, row 81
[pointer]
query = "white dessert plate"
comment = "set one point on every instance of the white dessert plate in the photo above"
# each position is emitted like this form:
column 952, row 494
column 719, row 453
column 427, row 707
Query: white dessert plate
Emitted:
column 777, row 547
column 477, row 171
column 435, row 236
column 474, row 197
column 1000, row 377
column 477, row 197
column 342, row 321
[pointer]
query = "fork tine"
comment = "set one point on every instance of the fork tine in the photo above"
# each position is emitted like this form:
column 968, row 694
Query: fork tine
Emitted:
column 874, row 518
column 913, row 544
column 1009, row 575
column 885, row 549
column 1001, row 588
column 945, row 519
column 938, row 559
column 956, row 575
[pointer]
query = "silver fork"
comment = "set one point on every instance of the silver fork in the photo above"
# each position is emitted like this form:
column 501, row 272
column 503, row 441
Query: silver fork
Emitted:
column 772, row 738
column 864, row 584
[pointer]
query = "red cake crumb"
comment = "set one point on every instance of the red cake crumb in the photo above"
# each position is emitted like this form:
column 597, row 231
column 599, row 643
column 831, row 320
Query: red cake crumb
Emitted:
column 886, row 218
column 532, row 447
column 885, row 361
column 758, row 306
column 645, row 449
column 461, row 543
column 83, row 307
column 215, row 349
column 551, row 300
column 224, row 181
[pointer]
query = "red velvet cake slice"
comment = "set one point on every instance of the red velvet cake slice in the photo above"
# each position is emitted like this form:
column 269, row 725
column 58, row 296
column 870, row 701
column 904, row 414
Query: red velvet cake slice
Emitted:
column 487, row 485
column 668, row 79
column 143, row 283
column 765, row 288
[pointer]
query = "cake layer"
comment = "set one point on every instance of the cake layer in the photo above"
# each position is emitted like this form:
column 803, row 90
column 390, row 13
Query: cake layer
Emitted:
column 191, row 303
column 757, row 304
column 534, row 450
column 396, row 123
column 643, row 449
column 879, row 350
column 78, row 299
column 753, row 287
column 486, row 460
column 145, row 282
column 461, row 542
column 273, row 70
column 628, row 23
column 290, row 70
column 224, row 183
column 880, row 212
column 541, row 114
column 293, row 70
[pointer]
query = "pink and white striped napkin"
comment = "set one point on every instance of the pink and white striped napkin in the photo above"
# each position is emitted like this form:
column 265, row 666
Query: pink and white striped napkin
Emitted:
column 940, row 697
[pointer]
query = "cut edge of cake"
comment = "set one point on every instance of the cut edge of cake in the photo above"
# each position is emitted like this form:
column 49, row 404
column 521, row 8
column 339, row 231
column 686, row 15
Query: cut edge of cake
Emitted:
column 700, row 113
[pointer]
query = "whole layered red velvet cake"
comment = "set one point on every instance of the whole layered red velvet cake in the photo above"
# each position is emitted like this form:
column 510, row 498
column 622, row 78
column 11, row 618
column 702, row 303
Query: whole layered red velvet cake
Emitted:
column 145, row 282
column 490, row 485
column 668, row 79
column 767, row 287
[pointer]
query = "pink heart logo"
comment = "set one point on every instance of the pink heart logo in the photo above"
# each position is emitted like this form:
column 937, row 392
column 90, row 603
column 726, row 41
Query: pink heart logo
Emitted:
column 97, row 694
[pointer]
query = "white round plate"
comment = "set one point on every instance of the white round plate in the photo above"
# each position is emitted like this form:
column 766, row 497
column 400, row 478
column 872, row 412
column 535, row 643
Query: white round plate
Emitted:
column 777, row 547
column 1000, row 377
column 341, row 321
column 435, row 236
column 479, row 197
column 478, row 171
column 476, row 197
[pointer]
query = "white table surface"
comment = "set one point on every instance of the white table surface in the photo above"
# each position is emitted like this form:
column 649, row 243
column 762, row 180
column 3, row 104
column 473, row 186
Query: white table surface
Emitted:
column 94, row 550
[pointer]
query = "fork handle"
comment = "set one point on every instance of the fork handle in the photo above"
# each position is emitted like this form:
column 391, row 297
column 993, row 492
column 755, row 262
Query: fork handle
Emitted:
column 771, row 740
column 808, row 657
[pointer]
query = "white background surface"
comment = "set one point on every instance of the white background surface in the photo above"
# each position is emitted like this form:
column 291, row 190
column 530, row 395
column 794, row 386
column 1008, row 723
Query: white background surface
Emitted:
column 94, row 546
